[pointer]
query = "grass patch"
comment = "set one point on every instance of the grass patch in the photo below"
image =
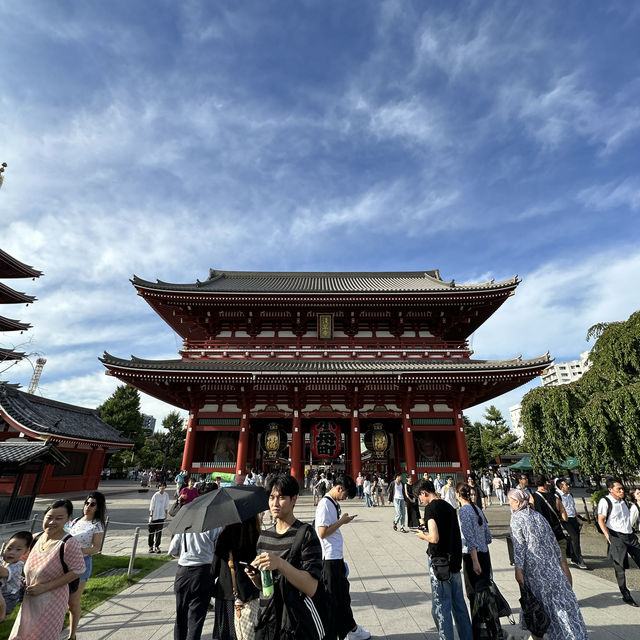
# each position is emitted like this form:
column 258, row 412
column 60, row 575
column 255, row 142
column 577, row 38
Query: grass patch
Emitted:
column 100, row 589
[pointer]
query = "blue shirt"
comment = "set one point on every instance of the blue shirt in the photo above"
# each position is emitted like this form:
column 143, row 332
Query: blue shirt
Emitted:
column 475, row 536
column 194, row 549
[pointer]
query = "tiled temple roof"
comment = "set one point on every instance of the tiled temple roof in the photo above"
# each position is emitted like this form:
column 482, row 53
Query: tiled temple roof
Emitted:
column 10, row 354
column 57, row 419
column 21, row 451
column 326, row 282
column 324, row 366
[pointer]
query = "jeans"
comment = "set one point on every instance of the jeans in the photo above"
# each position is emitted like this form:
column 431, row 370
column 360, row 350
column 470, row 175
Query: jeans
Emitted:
column 399, row 507
column 447, row 599
column 367, row 500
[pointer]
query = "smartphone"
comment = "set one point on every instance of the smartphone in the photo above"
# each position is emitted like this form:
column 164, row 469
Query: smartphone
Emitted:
column 252, row 570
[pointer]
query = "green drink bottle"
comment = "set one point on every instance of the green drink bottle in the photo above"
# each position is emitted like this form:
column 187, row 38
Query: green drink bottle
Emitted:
column 267, row 583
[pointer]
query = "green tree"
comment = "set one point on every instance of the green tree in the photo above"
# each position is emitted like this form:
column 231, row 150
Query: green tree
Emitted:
column 122, row 411
column 596, row 418
column 477, row 455
column 497, row 437
column 164, row 449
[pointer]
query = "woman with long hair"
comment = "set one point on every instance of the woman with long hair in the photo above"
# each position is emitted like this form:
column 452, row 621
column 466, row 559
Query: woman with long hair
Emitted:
column 413, row 513
column 88, row 530
column 537, row 561
column 47, row 583
column 476, row 562
column 235, row 593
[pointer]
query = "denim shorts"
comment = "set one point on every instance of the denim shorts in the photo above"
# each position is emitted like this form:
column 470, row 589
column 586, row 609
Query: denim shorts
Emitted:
column 88, row 561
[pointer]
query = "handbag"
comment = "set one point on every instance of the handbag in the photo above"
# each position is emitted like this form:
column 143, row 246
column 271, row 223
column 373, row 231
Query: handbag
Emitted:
column 536, row 619
column 175, row 507
column 504, row 609
column 246, row 613
column 441, row 568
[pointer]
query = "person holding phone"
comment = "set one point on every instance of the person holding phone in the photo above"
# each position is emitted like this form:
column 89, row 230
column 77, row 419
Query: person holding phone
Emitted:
column 334, row 570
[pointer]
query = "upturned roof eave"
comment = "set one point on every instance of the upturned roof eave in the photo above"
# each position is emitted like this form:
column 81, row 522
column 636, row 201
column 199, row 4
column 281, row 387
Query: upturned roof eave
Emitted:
column 16, row 269
column 406, row 369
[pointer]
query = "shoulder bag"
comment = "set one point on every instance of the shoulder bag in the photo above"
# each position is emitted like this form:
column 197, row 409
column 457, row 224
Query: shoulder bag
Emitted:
column 246, row 613
column 175, row 507
column 535, row 617
column 441, row 568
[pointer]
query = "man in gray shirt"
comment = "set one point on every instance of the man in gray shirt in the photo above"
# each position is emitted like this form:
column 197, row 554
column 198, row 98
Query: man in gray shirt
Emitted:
column 192, row 584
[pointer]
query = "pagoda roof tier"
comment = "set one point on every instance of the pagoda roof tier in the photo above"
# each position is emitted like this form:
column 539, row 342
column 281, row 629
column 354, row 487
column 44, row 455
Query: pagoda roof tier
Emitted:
column 322, row 282
column 12, row 268
column 44, row 419
column 174, row 380
column 10, row 354
column 20, row 451
column 7, row 324
column 10, row 296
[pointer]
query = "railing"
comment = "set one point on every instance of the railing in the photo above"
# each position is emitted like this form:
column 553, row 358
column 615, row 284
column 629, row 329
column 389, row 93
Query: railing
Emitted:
column 431, row 464
column 213, row 464
column 15, row 508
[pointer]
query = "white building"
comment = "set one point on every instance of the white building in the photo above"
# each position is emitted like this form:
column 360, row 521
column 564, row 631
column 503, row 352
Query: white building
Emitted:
column 553, row 376
column 515, row 412
column 565, row 372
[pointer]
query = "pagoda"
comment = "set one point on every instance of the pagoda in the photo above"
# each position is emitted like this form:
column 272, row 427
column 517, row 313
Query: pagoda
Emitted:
column 356, row 370
column 12, row 268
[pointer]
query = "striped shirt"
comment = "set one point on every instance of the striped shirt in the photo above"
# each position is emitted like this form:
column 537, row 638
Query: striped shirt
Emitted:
column 270, row 541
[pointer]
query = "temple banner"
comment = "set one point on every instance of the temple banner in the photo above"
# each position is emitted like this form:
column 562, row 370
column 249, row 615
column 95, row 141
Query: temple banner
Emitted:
column 325, row 439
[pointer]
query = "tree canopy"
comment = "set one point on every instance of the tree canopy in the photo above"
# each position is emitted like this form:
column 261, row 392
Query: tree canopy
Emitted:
column 488, row 439
column 122, row 411
column 596, row 418
column 164, row 450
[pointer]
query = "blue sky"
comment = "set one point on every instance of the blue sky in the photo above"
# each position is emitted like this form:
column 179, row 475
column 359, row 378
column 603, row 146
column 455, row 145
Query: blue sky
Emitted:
column 161, row 139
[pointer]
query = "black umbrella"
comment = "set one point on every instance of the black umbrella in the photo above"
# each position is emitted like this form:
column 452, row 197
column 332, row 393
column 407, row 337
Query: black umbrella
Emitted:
column 227, row 505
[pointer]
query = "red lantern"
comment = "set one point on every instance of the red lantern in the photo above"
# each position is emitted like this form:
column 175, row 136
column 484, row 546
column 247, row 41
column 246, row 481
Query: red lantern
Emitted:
column 325, row 439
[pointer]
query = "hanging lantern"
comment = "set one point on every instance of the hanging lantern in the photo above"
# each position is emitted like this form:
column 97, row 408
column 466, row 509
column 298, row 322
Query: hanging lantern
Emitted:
column 274, row 440
column 377, row 440
column 325, row 439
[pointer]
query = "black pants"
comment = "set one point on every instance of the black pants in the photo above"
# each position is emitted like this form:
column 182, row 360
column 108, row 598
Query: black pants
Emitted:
column 630, row 542
column 192, row 587
column 573, row 529
column 474, row 583
column 155, row 533
column 336, row 584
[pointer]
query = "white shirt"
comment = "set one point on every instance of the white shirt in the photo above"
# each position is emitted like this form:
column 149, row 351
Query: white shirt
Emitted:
column 449, row 495
column 326, row 515
column 159, row 505
column 366, row 487
column 397, row 491
column 82, row 530
column 620, row 518
column 569, row 504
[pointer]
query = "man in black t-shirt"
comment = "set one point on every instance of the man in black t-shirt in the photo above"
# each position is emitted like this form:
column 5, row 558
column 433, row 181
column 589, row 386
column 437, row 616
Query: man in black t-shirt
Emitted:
column 445, row 541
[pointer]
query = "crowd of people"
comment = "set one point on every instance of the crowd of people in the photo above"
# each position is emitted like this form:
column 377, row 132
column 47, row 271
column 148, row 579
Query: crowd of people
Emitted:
column 47, row 572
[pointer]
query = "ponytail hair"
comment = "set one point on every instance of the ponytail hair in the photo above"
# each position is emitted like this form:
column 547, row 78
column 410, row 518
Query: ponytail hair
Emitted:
column 464, row 490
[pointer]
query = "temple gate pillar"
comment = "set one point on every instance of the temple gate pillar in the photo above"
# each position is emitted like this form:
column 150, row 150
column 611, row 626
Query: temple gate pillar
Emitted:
column 243, row 447
column 356, row 457
column 409, row 450
column 190, row 442
column 461, row 443
column 297, row 463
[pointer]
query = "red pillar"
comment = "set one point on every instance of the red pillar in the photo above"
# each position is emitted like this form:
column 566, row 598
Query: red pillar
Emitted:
column 356, row 457
column 409, row 451
column 190, row 443
column 297, row 463
column 243, row 446
column 461, row 442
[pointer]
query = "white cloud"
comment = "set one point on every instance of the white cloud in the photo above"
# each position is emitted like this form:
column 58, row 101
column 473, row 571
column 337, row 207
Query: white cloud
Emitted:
column 625, row 193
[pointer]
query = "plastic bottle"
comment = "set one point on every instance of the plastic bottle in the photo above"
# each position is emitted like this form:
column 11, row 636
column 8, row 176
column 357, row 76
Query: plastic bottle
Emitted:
column 267, row 583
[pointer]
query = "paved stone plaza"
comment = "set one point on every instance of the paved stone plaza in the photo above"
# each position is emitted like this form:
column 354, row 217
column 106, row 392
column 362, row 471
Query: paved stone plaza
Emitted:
column 390, row 590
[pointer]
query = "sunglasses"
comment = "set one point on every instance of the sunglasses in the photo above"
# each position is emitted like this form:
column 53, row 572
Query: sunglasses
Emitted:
column 90, row 504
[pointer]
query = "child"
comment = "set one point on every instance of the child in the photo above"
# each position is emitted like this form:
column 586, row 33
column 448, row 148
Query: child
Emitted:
column 11, row 569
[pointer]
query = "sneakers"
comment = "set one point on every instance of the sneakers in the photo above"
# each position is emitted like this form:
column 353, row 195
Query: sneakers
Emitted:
column 358, row 634
column 157, row 550
column 151, row 550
